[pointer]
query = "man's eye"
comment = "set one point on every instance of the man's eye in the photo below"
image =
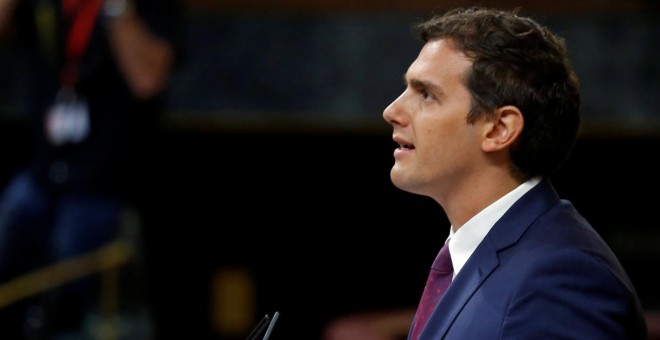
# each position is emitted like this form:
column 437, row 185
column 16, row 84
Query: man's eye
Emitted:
column 426, row 94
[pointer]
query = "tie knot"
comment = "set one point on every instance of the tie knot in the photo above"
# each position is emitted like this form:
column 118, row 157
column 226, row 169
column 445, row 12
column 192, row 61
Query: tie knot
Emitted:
column 442, row 262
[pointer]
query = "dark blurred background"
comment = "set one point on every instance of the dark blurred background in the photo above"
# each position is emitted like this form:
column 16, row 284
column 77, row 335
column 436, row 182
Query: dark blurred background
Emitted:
column 270, row 185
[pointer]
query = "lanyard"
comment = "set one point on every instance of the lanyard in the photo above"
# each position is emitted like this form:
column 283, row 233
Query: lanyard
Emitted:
column 82, row 15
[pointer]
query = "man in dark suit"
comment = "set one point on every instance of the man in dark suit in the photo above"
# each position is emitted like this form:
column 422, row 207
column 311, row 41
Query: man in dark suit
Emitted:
column 489, row 112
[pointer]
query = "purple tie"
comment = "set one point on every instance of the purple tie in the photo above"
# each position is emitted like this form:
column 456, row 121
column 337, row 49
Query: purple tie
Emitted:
column 438, row 281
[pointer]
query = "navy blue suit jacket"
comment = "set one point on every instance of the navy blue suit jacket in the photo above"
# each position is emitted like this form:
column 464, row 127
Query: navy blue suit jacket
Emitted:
column 541, row 272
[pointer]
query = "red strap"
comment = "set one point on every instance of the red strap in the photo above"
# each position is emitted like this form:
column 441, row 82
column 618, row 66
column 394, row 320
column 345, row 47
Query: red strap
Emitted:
column 83, row 15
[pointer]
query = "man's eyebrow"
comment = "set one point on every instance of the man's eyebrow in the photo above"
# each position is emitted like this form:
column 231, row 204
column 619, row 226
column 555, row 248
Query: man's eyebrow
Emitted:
column 421, row 84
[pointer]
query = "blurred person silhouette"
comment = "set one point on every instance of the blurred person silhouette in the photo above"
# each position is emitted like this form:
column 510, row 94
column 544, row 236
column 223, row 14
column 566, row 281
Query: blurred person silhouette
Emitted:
column 99, row 80
column 489, row 112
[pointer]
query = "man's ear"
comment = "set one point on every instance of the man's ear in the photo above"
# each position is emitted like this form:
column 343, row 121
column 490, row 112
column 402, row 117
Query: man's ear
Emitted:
column 505, row 127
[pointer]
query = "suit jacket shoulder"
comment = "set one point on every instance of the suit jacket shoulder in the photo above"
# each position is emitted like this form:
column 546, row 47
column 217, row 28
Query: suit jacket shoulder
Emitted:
column 541, row 272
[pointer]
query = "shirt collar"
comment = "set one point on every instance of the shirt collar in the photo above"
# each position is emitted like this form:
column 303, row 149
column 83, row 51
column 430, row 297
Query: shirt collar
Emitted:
column 467, row 238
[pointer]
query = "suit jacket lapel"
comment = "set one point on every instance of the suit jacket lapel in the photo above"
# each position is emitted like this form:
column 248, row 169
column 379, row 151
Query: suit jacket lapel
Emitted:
column 507, row 231
column 459, row 292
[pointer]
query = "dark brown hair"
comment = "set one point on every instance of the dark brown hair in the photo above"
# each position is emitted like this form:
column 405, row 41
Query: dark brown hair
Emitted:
column 517, row 61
